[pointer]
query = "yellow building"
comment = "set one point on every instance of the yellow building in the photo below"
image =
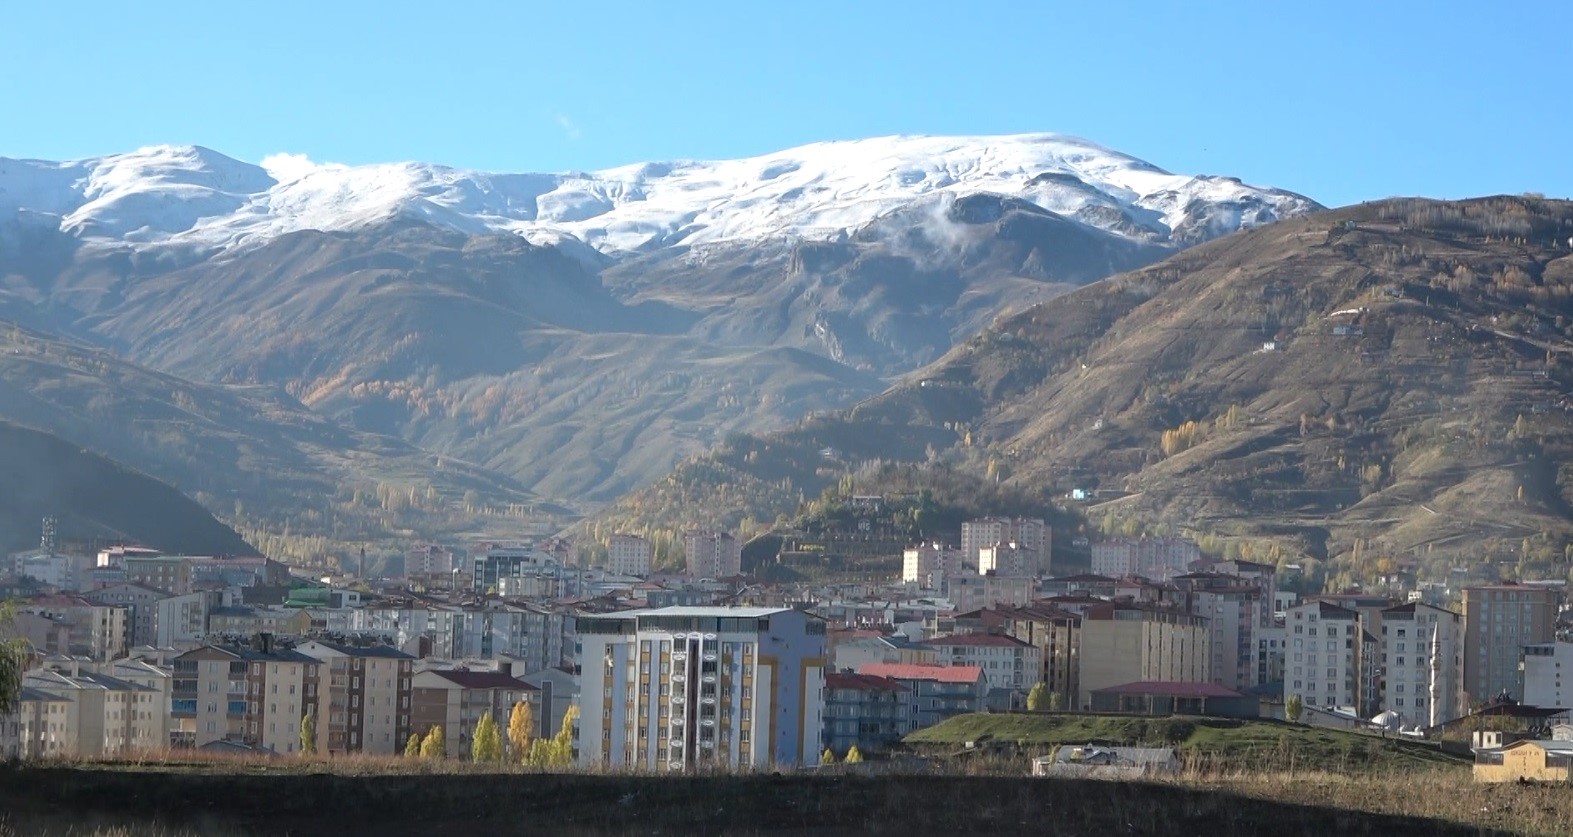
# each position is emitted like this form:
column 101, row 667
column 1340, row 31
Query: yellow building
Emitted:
column 1536, row 761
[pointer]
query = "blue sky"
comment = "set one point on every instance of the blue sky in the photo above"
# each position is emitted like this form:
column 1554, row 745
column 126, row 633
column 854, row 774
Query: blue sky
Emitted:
column 1341, row 101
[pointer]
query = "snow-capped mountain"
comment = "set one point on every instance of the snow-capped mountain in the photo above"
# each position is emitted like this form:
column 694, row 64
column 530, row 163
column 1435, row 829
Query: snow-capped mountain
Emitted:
column 192, row 196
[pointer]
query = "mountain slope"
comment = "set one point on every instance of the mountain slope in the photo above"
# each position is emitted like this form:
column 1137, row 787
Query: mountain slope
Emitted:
column 250, row 453
column 1388, row 380
column 90, row 496
column 582, row 333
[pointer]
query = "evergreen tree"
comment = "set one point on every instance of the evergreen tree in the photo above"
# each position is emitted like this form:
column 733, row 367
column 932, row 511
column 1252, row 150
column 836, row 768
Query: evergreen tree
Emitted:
column 827, row 757
column 412, row 747
column 308, row 734
column 521, row 726
column 1293, row 708
column 854, row 755
column 435, row 745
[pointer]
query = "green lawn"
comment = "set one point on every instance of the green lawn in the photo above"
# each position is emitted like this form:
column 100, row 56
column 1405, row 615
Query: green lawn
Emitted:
column 1208, row 742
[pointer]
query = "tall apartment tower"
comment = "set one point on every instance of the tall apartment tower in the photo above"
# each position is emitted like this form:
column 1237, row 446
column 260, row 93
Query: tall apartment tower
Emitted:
column 685, row 688
column 1499, row 620
column 713, row 555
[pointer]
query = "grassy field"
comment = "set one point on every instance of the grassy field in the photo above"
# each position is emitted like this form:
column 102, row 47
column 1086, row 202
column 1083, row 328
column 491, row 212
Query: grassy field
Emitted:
column 229, row 801
column 1206, row 743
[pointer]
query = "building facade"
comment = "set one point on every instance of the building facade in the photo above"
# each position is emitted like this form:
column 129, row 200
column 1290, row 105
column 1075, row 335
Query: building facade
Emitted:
column 713, row 555
column 1031, row 535
column 1421, row 676
column 1499, row 620
column 628, row 555
column 1126, row 643
column 867, row 712
column 683, row 687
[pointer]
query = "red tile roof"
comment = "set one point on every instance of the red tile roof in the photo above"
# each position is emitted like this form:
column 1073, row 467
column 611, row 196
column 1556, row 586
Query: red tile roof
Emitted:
column 916, row 671
column 862, row 682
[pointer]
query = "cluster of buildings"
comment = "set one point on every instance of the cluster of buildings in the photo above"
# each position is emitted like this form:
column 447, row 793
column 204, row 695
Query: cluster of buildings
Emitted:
column 135, row 650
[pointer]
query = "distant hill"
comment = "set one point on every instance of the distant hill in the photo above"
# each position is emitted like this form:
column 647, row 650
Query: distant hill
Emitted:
column 1388, row 382
column 90, row 496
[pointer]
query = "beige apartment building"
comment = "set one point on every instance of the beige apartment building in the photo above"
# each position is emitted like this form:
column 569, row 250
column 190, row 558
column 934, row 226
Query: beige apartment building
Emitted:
column 1126, row 643
column 363, row 703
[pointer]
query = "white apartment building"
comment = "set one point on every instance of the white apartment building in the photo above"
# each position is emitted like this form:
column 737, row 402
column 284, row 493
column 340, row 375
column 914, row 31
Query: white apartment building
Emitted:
column 1422, row 663
column 1031, row 534
column 1323, row 659
column 181, row 620
column 713, row 555
column 684, row 687
column 1544, row 664
column 628, row 555
column 929, row 564
column 1159, row 559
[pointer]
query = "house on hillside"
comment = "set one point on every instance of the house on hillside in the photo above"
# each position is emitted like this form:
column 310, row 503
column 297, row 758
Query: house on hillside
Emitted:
column 1097, row 761
column 1531, row 759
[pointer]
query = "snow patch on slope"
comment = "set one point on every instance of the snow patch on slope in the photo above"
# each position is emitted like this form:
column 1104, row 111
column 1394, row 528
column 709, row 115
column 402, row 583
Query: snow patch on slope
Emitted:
column 196, row 197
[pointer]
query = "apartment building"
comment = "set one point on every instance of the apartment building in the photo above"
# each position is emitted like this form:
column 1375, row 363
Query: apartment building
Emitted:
column 928, row 565
column 1155, row 558
column 170, row 573
column 1010, row 666
column 517, row 568
column 1422, row 660
column 107, row 716
column 1056, row 633
column 968, row 593
column 1031, row 535
column 99, row 631
column 628, row 555
column 1499, row 620
column 141, row 604
column 867, row 712
column 430, row 567
column 1330, row 661
column 1007, row 559
column 1545, row 665
column 682, row 687
column 456, row 699
column 39, row 728
column 1233, row 608
column 363, row 697
column 1124, row 642
column 182, row 620
column 939, row 692
column 253, row 695
column 713, row 554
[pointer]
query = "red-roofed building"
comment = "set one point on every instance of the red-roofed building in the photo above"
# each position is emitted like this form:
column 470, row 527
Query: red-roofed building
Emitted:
column 456, row 700
column 1151, row 697
column 867, row 711
column 1010, row 665
column 940, row 692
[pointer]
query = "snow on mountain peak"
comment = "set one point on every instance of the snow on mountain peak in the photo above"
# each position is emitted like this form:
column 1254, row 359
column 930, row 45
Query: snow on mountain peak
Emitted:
column 194, row 196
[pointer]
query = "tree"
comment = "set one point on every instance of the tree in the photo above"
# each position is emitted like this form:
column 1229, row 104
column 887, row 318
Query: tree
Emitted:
column 1293, row 708
column 308, row 734
column 13, row 659
column 412, row 747
column 486, row 745
column 521, row 726
column 1056, row 701
column 854, row 755
column 1037, row 698
column 827, row 757
column 435, row 745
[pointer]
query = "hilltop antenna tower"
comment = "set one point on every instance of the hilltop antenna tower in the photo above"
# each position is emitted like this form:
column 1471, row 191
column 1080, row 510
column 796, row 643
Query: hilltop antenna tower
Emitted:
column 46, row 540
